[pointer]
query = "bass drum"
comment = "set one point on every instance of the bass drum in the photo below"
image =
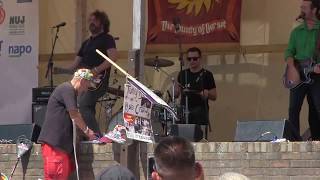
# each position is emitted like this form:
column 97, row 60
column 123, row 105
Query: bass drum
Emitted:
column 115, row 120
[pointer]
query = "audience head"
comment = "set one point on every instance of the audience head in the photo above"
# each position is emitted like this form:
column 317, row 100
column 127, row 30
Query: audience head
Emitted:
column 175, row 159
column 116, row 172
column 233, row 176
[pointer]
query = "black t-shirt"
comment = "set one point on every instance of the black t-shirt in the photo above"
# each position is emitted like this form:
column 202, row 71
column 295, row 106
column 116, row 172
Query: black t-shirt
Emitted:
column 198, row 107
column 57, row 126
column 90, row 58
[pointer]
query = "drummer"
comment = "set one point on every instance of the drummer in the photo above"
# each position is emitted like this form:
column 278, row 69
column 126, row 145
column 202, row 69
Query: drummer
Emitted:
column 197, row 86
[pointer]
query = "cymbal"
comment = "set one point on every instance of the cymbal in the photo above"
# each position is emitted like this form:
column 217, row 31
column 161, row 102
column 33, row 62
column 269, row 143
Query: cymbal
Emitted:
column 115, row 91
column 157, row 62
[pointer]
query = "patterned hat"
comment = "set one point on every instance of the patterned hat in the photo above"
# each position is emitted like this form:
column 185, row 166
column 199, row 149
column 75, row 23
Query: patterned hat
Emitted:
column 84, row 73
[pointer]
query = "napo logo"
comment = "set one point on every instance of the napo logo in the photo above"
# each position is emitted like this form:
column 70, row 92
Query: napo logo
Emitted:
column 19, row 50
column 0, row 46
column 2, row 13
column 16, row 25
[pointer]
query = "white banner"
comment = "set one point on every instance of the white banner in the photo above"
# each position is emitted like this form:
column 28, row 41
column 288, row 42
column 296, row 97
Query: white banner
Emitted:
column 19, row 44
column 137, row 114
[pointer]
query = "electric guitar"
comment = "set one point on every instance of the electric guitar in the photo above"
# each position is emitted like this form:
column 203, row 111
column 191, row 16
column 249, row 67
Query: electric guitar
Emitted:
column 96, row 82
column 294, row 78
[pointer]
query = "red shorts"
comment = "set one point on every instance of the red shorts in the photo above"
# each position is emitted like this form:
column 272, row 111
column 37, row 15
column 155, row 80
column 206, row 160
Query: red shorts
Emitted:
column 57, row 164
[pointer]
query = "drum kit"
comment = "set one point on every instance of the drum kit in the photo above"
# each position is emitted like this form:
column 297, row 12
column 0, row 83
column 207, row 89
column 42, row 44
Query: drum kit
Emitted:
column 165, row 117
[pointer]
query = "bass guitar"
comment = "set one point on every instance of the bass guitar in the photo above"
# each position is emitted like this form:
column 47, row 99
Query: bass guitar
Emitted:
column 300, row 75
column 96, row 82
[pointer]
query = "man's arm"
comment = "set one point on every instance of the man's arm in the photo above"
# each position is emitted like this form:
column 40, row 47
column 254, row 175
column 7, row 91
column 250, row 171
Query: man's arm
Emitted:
column 291, row 50
column 210, row 94
column 74, row 65
column 76, row 116
column 113, row 55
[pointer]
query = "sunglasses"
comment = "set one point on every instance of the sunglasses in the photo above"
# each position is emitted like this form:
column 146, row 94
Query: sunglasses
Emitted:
column 192, row 58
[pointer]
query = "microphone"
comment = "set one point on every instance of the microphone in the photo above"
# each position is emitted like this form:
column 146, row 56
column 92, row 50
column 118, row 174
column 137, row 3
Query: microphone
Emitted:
column 59, row 25
column 176, row 23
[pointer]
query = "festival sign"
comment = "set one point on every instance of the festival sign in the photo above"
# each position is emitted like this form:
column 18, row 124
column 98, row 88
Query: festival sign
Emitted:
column 197, row 21
column 19, row 51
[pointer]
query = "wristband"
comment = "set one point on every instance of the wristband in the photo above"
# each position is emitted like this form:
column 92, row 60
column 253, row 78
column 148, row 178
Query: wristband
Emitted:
column 96, row 69
column 86, row 130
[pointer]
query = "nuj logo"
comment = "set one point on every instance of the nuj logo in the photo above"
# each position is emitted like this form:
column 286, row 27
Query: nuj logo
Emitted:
column 2, row 13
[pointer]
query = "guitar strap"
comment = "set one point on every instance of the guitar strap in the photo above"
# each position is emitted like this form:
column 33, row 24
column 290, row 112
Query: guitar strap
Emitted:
column 317, row 50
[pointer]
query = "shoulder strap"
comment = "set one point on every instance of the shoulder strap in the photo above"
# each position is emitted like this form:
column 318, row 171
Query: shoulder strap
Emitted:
column 317, row 50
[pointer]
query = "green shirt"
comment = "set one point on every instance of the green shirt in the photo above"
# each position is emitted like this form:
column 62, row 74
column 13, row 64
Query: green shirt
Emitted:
column 302, row 42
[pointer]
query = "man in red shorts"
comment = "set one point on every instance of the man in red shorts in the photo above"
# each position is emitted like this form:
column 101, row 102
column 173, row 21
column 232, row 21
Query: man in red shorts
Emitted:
column 56, row 134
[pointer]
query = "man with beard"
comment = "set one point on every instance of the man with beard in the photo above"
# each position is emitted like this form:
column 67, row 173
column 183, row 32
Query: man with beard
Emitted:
column 87, row 57
column 303, row 48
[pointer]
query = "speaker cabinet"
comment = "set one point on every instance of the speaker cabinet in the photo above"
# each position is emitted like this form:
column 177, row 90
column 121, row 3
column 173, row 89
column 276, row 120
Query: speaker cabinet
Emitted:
column 192, row 132
column 265, row 130
column 38, row 116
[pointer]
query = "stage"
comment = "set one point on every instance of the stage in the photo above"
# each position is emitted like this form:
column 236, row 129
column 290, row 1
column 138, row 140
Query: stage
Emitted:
column 257, row 160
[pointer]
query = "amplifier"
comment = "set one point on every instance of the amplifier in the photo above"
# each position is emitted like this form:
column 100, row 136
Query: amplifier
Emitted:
column 41, row 94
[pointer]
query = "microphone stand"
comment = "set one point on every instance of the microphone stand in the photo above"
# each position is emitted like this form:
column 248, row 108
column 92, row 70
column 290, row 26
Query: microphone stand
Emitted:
column 50, row 61
column 178, row 36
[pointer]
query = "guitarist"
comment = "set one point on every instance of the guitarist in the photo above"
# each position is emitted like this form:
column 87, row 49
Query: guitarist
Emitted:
column 303, row 46
column 87, row 57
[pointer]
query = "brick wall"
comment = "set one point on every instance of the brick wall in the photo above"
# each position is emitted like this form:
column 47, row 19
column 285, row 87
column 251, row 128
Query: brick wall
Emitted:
column 259, row 161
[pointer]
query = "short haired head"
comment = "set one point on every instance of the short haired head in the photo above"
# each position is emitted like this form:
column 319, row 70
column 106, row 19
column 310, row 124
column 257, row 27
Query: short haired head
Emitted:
column 175, row 159
column 116, row 172
column 103, row 18
column 233, row 176
column 194, row 58
column 82, row 80
column 194, row 49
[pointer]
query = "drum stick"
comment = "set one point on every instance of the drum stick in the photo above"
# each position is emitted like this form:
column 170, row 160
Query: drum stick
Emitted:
column 113, row 63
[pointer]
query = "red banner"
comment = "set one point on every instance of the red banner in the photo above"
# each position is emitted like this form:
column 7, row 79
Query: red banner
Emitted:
column 197, row 21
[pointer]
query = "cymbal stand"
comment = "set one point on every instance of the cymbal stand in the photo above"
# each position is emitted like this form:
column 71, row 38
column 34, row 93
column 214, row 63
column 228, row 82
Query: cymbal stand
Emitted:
column 173, row 81
column 178, row 36
column 107, row 104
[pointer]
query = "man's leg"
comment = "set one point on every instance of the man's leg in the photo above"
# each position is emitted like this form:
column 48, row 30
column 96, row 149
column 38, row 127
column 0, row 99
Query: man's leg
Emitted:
column 87, row 106
column 57, row 164
column 295, row 102
column 312, row 116
column 314, row 107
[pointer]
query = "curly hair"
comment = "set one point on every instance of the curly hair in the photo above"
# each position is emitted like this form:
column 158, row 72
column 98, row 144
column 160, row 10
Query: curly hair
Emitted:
column 315, row 4
column 103, row 18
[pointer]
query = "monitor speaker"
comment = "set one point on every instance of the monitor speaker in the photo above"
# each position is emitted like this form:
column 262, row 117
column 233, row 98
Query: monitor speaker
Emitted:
column 265, row 130
column 192, row 132
column 38, row 116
